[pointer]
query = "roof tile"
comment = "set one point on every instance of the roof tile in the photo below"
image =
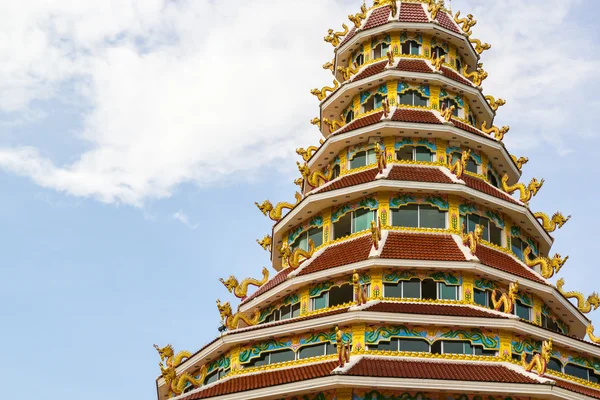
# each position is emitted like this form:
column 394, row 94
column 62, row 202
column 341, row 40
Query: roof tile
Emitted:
column 421, row 246
column 275, row 281
column 378, row 17
column 349, row 36
column 573, row 387
column 504, row 262
column 448, row 73
column 345, row 253
column 416, row 116
column 412, row 13
column 371, row 70
column 361, row 122
column 468, row 128
column 432, row 309
column 350, row 180
column 482, row 186
column 446, row 22
column 417, row 174
column 414, row 66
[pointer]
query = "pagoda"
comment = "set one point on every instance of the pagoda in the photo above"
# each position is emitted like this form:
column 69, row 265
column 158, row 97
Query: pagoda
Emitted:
column 410, row 265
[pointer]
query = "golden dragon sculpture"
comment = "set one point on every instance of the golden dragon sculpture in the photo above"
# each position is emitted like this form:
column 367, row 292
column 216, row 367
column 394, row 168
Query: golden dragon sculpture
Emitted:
column 438, row 62
column 506, row 302
column 520, row 161
column 299, row 182
column 479, row 47
column 495, row 104
column 307, row 153
column 177, row 384
column 335, row 37
column 231, row 320
column 296, row 257
column 498, row 133
column 316, row 121
column 329, row 65
column 548, row 266
column 551, row 224
column 275, row 212
column 266, row 243
column 349, row 71
column 585, row 306
column 539, row 362
column 590, row 332
column 357, row 19
column 472, row 239
column 322, row 94
column 459, row 166
column 465, row 23
column 448, row 112
column 167, row 355
column 240, row 290
column 477, row 76
column 316, row 178
column 526, row 192
column 434, row 8
column 333, row 125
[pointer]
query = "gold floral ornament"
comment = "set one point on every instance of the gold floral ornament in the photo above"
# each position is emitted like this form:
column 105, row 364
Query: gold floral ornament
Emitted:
column 548, row 266
column 495, row 104
column 177, row 384
column 520, row 161
column 360, row 292
column 447, row 112
column 240, row 290
column 333, row 125
column 539, row 362
column 275, row 212
column 498, row 133
column 307, row 153
column 590, row 332
column 266, row 243
column 316, row 178
column 585, row 306
column 357, row 19
column 438, row 62
column 231, row 320
column 335, row 37
column 316, row 121
column 551, row 224
column 322, row 94
column 479, row 47
column 376, row 233
column 380, row 157
column 459, row 166
column 477, row 76
column 526, row 192
column 349, row 71
column 472, row 239
column 434, row 7
column 298, row 256
column 465, row 23
column 329, row 65
column 506, row 302
column 343, row 349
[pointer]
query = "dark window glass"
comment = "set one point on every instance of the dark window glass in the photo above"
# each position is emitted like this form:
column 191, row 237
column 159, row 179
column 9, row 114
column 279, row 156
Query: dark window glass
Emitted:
column 296, row 310
column 331, row 348
column 260, row 361
column 412, row 98
column 415, row 345
column 492, row 179
column 554, row 365
column 343, row 227
column 341, row 295
column 437, row 52
column 472, row 120
column 407, row 216
column 380, row 50
column 362, row 219
column 320, row 302
column 447, row 292
column 479, row 351
column 411, row 289
column 392, row 345
column 286, row 312
column 471, row 165
column 316, row 234
column 405, row 153
column 336, row 171
column 495, row 234
column 517, row 247
column 392, row 290
column 436, row 347
column 481, row 297
column 431, row 217
column 411, row 47
column 359, row 160
column 576, row 370
column 312, row 351
column 282, row 356
column 458, row 65
column 429, row 289
column 449, row 103
column 456, row 347
column 369, row 105
column 522, row 311
column 350, row 116
column 423, row 154
column 223, row 373
column 360, row 59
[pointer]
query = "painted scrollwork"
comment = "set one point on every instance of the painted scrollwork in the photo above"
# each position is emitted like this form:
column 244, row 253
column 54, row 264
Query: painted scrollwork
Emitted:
column 296, row 257
column 585, row 306
column 495, row 104
column 231, row 320
column 307, row 153
column 506, row 302
column 335, row 37
column 480, row 47
column 548, row 266
column 322, row 94
column 266, row 243
column 240, row 290
column 477, row 76
column 275, row 212
column 520, row 161
column 551, row 224
column 526, row 192
column 498, row 132
column 465, row 23
column 539, row 362
column 472, row 239
column 357, row 19
column 316, row 178
column 459, row 166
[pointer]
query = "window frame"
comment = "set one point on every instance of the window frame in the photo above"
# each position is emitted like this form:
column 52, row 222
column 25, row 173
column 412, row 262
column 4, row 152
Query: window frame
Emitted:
column 410, row 44
column 414, row 93
column 395, row 211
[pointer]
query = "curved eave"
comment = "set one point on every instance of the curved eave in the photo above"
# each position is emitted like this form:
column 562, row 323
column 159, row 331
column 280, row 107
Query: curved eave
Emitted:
column 333, row 105
column 467, row 52
column 496, row 151
column 313, row 204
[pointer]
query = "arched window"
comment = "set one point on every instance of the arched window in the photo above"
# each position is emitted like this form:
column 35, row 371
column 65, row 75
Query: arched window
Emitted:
column 317, row 350
column 360, row 59
column 414, row 153
column 419, row 216
column 363, row 158
column 438, row 52
column 492, row 179
column 459, row 347
column 555, row 365
column 413, row 98
column 336, row 171
column 416, row 289
column 491, row 233
column 273, row 357
column 522, row 311
column 397, row 344
column 380, row 50
column 333, row 297
column 411, row 47
column 483, row 297
column 283, row 313
column 354, row 221
column 447, row 102
column 349, row 116
column 316, row 234
column 373, row 103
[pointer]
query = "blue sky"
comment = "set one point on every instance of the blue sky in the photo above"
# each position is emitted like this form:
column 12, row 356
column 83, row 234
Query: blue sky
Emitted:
column 130, row 160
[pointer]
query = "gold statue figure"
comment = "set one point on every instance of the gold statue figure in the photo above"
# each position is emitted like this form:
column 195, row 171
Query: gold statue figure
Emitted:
column 240, row 290
column 380, row 157
column 231, row 320
column 359, row 290
column 376, row 233
column 548, row 266
column 390, row 56
column 539, row 362
column 322, row 94
column 308, row 153
column 275, row 212
column 329, row 65
column 434, row 7
column 385, row 104
column 498, row 133
column 296, row 257
column 551, row 224
column 266, row 243
column 176, row 384
column 479, row 47
column 506, row 302
column 495, row 104
column 465, row 23
column 448, row 112
column 459, row 166
column 349, row 71
column 472, row 239
column 343, row 349
column 316, row 178
column 520, row 161
column 477, row 76
column 590, row 332
column 526, row 192
column 333, row 125
column 585, row 306
column 316, row 121
column 438, row 62
column 358, row 18
column 335, row 37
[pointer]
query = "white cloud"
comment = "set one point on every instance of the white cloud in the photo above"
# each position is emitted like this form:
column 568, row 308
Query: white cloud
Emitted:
column 184, row 219
column 197, row 91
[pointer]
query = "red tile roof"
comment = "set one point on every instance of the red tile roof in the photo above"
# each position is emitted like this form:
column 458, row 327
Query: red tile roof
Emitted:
column 446, row 22
column 351, row 180
column 477, row 372
column 345, row 253
column 417, row 174
column 371, row 70
column 421, row 246
column 361, row 122
column 412, row 13
column 275, row 281
column 482, row 186
column 573, row 387
column 378, row 17
column 448, row 73
column 504, row 262
column 349, row 36
column 414, row 66
column 432, row 309
column 416, row 116
column 468, row 128
column 244, row 383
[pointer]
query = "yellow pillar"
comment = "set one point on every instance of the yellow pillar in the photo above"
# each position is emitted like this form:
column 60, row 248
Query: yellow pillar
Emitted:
column 466, row 108
column 434, row 98
column 537, row 310
column 235, row 358
column 284, row 264
column 392, row 87
column 304, row 299
column 327, row 226
column 367, row 51
column 441, row 146
column 390, row 147
column 468, row 288
column 343, row 394
column 396, row 43
column 506, row 339
column 344, row 161
column 356, row 105
column 358, row 338
column 507, row 228
column 485, row 164
column 384, row 208
column 452, row 54
column 427, row 45
column 376, row 284
column 454, row 214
